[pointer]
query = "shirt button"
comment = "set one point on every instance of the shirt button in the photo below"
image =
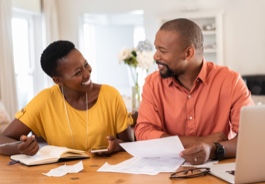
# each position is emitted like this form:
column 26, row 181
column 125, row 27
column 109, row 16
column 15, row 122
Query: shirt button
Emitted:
column 190, row 118
column 189, row 96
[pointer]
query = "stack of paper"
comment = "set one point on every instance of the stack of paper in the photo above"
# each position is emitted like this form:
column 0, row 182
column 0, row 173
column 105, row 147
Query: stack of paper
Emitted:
column 150, row 157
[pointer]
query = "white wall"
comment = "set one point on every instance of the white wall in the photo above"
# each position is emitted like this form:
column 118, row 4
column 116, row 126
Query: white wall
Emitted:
column 109, row 70
column 243, row 28
column 244, row 33
column 244, row 25
column 27, row 5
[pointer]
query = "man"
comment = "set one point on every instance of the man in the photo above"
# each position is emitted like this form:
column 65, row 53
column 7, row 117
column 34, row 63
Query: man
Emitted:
column 189, row 97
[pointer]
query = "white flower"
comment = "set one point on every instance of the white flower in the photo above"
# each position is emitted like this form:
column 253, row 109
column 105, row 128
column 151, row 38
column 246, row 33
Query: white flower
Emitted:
column 145, row 45
column 125, row 54
column 145, row 59
column 141, row 56
column 139, row 59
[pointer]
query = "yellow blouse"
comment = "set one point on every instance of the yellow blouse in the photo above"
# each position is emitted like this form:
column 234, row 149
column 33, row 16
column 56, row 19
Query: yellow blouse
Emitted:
column 46, row 115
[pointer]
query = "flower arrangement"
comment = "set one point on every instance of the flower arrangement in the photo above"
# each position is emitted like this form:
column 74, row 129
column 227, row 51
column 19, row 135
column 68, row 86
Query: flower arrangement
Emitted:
column 138, row 58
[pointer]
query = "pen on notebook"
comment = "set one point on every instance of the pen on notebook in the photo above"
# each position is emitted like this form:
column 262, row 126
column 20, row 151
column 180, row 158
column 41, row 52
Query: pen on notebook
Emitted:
column 10, row 143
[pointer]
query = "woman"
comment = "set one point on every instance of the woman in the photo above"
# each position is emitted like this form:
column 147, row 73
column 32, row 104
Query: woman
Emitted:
column 75, row 112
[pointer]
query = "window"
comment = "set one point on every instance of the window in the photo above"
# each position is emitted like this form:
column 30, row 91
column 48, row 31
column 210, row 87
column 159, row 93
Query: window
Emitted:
column 139, row 35
column 88, row 45
column 25, row 53
column 102, row 37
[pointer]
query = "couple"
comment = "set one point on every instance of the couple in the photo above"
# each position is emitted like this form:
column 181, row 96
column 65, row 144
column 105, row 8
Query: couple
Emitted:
column 189, row 97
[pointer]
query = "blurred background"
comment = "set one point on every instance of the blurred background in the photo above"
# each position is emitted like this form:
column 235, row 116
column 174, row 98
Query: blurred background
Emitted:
column 234, row 32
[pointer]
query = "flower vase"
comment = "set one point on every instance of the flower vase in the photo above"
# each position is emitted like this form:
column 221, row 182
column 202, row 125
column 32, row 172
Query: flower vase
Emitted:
column 135, row 98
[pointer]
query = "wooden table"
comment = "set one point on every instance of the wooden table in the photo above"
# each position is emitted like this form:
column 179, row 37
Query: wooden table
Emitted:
column 20, row 174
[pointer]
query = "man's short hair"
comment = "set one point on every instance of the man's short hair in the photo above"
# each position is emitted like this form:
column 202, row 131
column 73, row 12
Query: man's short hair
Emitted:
column 189, row 32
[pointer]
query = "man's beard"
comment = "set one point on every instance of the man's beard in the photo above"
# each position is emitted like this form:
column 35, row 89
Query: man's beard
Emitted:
column 169, row 72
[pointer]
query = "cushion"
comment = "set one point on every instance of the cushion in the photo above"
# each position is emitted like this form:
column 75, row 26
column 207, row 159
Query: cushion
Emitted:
column 4, row 117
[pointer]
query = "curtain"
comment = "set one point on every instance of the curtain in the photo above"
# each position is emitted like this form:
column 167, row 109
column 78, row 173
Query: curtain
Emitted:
column 49, row 8
column 51, row 30
column 7, row 73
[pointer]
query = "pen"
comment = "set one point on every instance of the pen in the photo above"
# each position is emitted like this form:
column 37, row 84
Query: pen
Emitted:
column 10, row 143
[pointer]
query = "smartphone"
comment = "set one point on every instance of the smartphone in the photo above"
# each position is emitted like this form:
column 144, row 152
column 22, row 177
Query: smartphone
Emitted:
column 99, row 149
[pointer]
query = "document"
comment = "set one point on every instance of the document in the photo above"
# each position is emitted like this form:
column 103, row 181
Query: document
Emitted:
column 206, row 164
column 163, row 147
column 145, row 165
column 149, row 157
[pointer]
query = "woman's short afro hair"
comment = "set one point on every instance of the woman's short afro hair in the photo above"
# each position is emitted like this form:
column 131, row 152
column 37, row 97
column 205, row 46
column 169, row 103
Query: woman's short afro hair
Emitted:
column 52, row 54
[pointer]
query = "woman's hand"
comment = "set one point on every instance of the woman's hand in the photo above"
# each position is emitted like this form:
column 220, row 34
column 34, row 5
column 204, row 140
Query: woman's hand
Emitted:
column 113, row 146
column 29, row 146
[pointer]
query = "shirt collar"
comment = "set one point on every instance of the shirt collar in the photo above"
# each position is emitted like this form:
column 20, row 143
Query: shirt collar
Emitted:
column 202, row 75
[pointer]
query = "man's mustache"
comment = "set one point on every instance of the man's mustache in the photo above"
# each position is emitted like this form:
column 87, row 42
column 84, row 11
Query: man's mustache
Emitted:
column 159, row 63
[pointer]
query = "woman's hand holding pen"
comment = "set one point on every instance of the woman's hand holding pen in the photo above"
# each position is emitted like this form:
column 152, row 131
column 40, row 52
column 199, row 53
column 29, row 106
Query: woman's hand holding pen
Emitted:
column 29, row 145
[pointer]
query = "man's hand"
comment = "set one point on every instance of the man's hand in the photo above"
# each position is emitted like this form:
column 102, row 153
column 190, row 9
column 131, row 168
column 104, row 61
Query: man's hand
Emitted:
column 199, row 149
column 29, row 146
column 197, row 154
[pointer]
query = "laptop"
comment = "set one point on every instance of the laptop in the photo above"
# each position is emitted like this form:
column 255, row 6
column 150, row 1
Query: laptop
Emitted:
column 250, row 158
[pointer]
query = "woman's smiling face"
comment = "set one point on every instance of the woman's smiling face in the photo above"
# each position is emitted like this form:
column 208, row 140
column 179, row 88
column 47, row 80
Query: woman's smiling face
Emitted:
column 74, row 71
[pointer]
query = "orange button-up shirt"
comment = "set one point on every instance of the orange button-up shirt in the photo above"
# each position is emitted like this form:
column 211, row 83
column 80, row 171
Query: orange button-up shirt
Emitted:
column 212, row 105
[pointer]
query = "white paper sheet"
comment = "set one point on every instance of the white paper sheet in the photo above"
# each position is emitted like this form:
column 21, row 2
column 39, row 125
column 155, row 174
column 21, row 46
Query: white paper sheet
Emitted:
column 206, row 164
column 150, row 157
column 146, row 165
column 64, row 169
column 163, row 147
